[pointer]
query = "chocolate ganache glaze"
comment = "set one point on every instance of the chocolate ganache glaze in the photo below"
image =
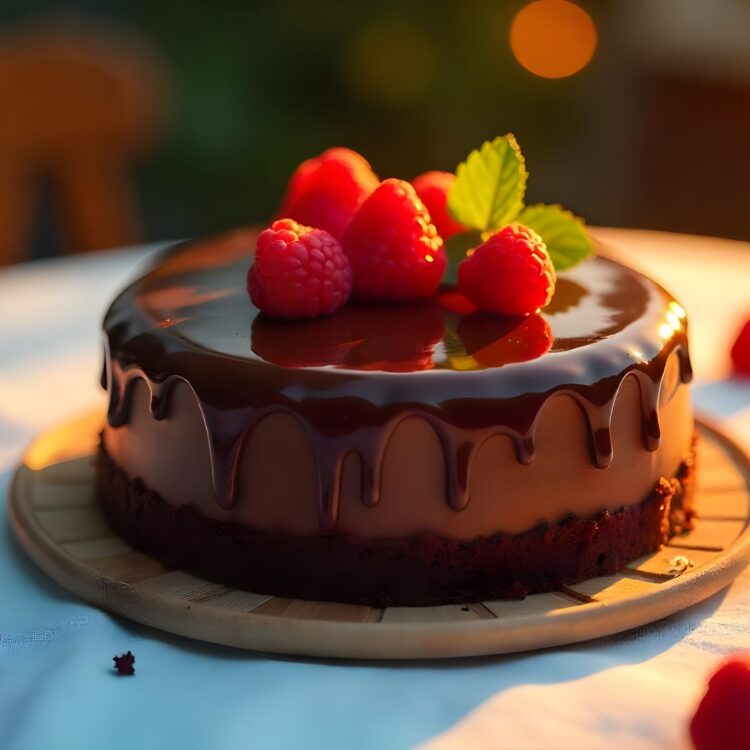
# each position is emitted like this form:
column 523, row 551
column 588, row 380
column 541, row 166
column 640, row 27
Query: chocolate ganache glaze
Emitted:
column 351, row 378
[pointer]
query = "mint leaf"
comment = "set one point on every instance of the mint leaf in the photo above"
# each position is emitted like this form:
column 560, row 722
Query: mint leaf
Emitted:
column 455, row 251
column 489, row 187
column 565, row 235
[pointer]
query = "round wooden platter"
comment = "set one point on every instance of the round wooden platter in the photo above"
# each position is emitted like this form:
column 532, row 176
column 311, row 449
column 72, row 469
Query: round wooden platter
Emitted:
column 55, row 516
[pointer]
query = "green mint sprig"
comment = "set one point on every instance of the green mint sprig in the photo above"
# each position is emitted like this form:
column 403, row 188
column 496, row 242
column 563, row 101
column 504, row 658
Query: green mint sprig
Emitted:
column 489, row 187
column 488, row 194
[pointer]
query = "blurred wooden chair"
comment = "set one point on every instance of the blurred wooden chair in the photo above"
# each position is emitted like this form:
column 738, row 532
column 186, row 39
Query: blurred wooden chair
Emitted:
column 79, row 103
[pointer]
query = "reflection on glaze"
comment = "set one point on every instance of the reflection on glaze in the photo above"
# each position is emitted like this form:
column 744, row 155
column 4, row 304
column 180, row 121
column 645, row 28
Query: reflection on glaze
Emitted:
column 350, row 379
column 389, row 338
column 493, row 341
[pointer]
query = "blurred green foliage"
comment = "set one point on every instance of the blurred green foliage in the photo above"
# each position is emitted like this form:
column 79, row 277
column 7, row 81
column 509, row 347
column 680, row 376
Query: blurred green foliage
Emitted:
column 259, row 86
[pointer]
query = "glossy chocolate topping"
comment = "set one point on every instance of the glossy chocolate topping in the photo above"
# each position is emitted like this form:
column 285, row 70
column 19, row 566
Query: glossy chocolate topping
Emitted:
column 351, row 378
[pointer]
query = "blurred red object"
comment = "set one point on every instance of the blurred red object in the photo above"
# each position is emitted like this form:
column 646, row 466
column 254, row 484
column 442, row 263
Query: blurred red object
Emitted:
column 741, row 351
column 80, row 102
column 723, row 716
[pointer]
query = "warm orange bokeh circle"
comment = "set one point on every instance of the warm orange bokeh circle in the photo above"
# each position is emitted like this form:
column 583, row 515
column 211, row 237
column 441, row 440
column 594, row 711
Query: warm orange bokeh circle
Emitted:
column 553, row 38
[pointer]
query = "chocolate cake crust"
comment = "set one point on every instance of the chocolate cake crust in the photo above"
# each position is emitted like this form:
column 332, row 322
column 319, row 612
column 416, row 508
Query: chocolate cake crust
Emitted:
column 421, row 570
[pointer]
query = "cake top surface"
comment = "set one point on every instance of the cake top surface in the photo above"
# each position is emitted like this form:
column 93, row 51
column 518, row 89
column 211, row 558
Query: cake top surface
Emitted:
column 194, row 300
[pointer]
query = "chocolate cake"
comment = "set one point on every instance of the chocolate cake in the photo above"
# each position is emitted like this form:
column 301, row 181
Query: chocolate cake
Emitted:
column 412, row 453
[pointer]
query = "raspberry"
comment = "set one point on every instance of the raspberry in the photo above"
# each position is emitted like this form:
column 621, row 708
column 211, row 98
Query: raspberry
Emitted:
column 326, row 191
column 299, row 272
column 723, row 719
column 395, row 251
column 432, row 188
column 741, row 351
column 510, row 274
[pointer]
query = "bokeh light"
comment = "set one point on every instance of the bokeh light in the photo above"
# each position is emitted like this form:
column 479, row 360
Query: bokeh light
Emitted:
column 553, row 38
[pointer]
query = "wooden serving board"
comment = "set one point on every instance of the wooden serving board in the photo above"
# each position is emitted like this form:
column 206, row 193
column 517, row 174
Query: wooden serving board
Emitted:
column 54, row 514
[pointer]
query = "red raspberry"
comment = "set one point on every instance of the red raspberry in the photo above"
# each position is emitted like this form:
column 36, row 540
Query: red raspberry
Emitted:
column 723, row 716
column 432, row 188
column 326, row 191
column 741, row 351
column 394, row 250
column 510, row 274
column 299, row 272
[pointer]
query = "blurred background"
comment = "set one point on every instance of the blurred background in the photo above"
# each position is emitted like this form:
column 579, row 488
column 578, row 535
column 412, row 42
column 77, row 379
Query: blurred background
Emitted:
column 135, row 120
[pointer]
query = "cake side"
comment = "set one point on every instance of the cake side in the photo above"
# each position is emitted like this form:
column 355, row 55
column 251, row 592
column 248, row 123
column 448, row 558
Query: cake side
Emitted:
column 278, row 476
column 422, row 569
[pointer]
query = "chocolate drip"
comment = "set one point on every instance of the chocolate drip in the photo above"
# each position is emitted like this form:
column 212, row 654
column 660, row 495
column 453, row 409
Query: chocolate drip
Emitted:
column 350, row 398
column 227, row 433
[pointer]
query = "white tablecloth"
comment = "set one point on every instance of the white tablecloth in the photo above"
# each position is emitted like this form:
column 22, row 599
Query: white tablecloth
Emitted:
column 631, row 691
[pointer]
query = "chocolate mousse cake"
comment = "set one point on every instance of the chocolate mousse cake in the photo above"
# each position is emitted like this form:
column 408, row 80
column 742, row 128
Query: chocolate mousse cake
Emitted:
column 411, row 452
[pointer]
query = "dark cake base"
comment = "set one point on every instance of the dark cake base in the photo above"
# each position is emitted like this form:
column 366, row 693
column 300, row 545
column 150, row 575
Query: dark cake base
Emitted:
column 422, row 570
